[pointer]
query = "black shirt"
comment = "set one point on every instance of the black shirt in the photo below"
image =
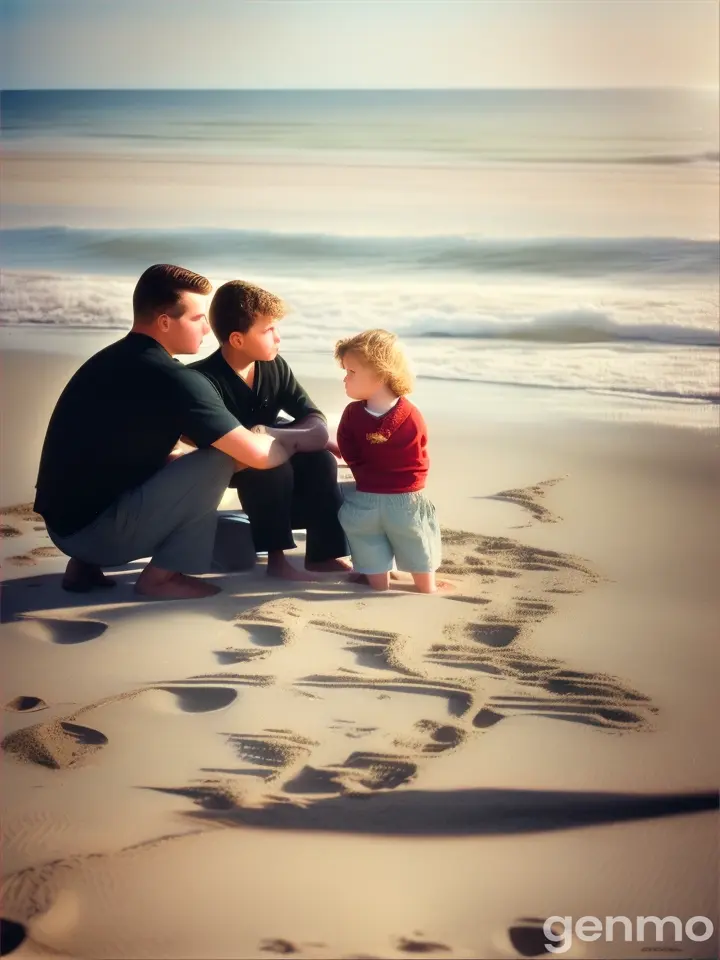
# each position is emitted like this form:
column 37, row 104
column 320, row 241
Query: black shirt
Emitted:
column 274, row 389
column 114, row 425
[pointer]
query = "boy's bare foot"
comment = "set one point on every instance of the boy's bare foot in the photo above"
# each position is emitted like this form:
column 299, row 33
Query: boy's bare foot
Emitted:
column 337, row 565
column 279, row 567
column 170, row 585
column 81, row 577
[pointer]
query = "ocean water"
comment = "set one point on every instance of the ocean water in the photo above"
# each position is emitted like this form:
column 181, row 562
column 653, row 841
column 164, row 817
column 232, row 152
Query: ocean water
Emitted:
column 561, row 244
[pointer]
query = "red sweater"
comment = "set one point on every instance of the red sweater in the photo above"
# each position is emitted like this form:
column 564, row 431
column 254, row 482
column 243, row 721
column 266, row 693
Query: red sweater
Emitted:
column 386, row 454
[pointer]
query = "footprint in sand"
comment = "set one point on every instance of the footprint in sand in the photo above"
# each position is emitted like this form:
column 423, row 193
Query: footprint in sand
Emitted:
column 491, row 634
column 274, row 623
column 529, row 939
column 376, row 649
column 416, row 946
column 443, row 736
column 459, row 698
column 271, row 752
column 372, row 771
column 586, row 713
column 198, row 699
column 58, row 745
column 472, row 554
column 591, row 699
column 528, row 498
column 61, row 631
column 26, row 704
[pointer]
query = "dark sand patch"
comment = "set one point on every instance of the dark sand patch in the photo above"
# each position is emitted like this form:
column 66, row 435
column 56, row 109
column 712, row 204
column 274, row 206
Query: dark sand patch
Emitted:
column 233, row 655
column 30, row 558
column 210, row 797
column 22, row 511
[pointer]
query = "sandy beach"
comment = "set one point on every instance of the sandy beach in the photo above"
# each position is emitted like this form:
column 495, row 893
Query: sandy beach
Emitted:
column 314, row 771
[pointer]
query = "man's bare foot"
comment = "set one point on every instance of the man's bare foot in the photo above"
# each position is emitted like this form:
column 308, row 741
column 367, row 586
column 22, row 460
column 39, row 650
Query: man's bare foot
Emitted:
column 81, row 577
column 336, row 565
column 279, row 567
column 170, row 585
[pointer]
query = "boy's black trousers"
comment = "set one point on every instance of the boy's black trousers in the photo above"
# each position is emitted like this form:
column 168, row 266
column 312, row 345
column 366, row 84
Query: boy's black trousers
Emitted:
column 301, row 494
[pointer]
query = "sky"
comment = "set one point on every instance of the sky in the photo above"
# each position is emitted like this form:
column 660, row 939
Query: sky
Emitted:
column 266, row 44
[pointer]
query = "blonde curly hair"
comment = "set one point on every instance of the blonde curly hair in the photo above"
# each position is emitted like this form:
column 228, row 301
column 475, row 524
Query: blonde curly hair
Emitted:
column 383, row 353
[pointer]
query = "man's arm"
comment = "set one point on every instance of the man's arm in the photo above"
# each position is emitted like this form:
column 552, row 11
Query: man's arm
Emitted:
column 262, row 452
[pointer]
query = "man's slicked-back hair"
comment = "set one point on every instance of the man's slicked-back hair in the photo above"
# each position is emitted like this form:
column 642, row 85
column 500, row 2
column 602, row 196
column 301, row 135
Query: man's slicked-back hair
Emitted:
column 159, row 288
column 236, row 305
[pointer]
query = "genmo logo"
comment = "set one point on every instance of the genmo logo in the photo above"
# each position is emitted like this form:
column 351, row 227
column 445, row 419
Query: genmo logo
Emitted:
column 560, row 931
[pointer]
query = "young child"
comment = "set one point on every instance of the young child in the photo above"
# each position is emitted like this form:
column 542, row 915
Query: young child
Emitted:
column 383, row 439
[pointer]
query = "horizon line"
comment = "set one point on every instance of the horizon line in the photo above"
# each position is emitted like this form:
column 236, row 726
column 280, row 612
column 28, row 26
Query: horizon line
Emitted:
column 457, row 89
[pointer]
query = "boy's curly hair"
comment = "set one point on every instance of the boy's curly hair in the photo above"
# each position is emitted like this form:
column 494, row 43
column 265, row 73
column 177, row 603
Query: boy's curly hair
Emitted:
column 383, row 353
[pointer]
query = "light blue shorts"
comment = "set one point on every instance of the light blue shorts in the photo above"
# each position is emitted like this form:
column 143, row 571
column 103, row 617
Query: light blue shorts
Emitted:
column 383, row 526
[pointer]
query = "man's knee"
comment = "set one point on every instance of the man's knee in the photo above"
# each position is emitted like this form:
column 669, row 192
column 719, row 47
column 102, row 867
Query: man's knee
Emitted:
column 209, row 471
column 278, row 477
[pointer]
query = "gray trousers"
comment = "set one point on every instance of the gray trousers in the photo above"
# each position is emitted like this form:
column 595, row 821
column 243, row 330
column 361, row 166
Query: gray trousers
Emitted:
column 170, row 518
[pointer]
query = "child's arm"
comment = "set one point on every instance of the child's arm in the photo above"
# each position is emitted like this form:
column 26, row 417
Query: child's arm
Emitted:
column 347, row 441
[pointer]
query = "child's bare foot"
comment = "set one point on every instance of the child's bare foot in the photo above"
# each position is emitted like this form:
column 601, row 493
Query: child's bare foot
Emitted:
column 444, row 586
column 336, row 565
column 81, row 577
column 171, row 585
column 279, row 567
column 362, row 578
column 426, row 583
